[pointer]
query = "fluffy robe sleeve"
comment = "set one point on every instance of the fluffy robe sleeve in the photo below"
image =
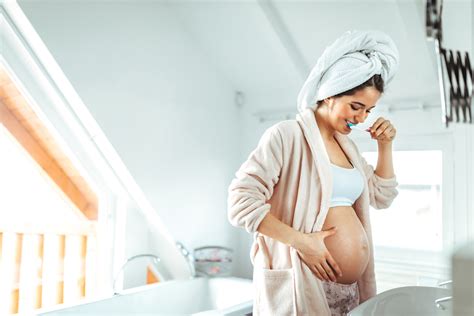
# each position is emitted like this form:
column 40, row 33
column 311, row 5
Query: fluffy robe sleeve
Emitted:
column 253, row 185
column 381, row 191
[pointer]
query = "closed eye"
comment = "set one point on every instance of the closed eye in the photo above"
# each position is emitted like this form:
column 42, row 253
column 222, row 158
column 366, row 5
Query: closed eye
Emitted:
column 358, row 108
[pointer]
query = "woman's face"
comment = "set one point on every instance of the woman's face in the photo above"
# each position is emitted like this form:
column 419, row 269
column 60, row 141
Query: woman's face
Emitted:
column 351, row 108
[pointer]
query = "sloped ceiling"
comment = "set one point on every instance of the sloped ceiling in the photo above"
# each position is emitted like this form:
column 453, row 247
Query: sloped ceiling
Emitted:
column 267, row 48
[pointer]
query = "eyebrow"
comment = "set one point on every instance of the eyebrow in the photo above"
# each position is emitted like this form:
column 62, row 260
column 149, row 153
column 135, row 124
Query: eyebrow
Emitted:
column 359, row 103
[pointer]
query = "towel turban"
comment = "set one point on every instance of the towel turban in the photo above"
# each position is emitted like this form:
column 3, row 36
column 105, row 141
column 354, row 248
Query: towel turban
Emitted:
column 348, row 62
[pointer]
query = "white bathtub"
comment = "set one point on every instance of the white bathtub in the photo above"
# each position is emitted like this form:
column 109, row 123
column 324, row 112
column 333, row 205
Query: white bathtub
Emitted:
column 406, row 301
column 199, row 296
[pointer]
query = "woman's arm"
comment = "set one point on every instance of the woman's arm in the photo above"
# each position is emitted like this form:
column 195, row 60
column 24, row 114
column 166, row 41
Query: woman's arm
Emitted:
column 250, row 190
column 382, row 183
column 384, row 132
column 311, row 247
column 384, row 167
column 274, row 228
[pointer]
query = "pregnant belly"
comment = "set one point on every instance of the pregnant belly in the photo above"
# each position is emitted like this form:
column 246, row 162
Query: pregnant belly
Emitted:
column 349, row 246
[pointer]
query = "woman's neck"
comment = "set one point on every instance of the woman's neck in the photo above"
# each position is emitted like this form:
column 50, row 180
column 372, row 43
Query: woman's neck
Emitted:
column 327, row 132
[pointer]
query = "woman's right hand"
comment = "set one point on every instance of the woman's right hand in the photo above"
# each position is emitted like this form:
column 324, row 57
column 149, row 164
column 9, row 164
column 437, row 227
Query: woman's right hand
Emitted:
column 312, row 250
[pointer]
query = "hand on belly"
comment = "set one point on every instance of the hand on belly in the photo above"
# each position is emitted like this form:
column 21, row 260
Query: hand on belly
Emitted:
column 349, row 246
column 314, row 253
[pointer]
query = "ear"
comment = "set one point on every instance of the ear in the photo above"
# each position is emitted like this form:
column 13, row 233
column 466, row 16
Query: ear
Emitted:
column 329, row 102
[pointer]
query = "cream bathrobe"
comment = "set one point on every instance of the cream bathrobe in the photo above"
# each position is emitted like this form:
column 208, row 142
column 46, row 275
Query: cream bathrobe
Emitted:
column 294, row 167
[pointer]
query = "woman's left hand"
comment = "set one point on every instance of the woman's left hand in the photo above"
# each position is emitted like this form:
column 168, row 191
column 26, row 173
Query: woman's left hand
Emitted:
column 383, row 131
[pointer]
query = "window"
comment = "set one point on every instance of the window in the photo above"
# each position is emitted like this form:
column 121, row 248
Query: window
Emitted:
column 48, row 212
column 46, row 243
column 22, row 178
column 413, row 237
column 414, row 220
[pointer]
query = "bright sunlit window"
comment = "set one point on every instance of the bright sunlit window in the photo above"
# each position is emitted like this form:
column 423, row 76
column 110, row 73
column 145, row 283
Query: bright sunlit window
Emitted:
column 46, row 243
column 414, row 220
column 28, row 196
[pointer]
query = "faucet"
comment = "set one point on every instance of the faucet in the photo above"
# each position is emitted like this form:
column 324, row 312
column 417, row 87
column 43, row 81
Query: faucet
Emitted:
column 443, row 299
column 445, row 283
column 156, row 259
column 189, row 258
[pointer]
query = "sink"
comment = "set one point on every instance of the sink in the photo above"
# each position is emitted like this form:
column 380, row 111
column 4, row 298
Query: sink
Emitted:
column 198, row 296
column 408, row 300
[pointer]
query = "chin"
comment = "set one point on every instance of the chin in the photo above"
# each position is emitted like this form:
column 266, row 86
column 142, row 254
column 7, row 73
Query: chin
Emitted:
column 345, row 130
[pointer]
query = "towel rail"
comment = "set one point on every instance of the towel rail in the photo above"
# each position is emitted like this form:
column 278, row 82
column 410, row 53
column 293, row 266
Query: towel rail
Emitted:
column 458, row 70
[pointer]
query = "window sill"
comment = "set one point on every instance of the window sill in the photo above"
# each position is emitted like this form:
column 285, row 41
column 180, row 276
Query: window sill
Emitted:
column 413, row 257
column 397, row 267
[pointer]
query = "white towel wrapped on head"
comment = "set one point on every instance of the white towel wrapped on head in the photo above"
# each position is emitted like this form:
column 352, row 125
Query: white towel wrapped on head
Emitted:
column 350, row 61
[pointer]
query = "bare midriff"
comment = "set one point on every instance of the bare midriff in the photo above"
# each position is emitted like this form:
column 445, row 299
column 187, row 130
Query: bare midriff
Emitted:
column 349, row 246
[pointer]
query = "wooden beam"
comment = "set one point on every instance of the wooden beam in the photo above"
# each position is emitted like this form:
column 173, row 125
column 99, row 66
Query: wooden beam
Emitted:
column 15, row 293
column 39, row 286
column 60, row 284
column 25, row 125
column 45, row 161
column 82, row 274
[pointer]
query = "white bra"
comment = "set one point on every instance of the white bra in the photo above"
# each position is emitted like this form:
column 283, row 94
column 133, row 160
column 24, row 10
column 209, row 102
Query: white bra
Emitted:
column 347, row 186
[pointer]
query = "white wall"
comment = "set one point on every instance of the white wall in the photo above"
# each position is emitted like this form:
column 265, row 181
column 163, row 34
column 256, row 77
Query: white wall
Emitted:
column 168, row 113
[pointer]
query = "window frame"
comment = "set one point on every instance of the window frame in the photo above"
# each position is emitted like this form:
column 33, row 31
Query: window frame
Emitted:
column 419, row 262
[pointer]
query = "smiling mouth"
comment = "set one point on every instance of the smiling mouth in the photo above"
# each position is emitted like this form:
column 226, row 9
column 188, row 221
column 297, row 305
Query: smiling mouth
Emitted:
column 349, row 123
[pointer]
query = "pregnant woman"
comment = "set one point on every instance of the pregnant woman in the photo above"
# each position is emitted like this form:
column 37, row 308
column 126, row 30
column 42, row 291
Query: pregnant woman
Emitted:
column 305, row 190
